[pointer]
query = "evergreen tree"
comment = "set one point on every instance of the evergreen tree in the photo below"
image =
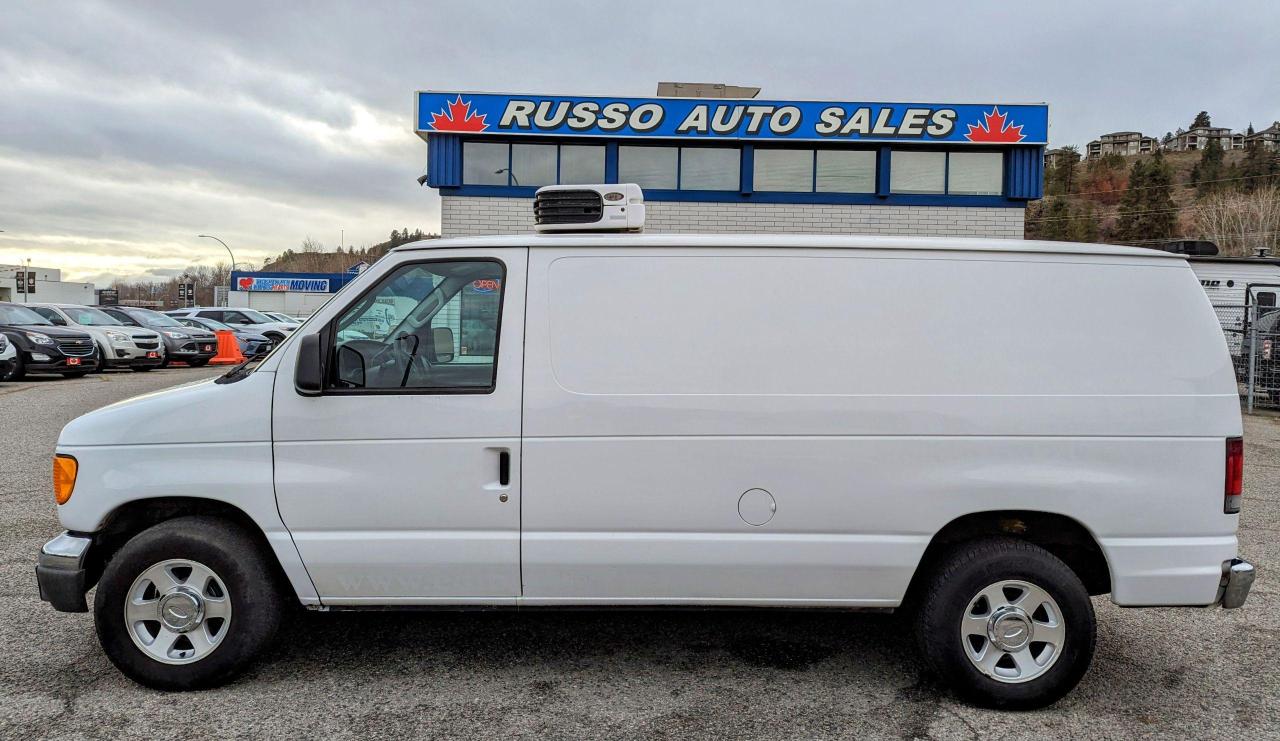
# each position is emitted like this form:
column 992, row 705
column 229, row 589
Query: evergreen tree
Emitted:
column 1083, row 226
column 1259, row 169
column 1201, row 120
column 1208, row 173
column 1161, row 220
column 1129, row 215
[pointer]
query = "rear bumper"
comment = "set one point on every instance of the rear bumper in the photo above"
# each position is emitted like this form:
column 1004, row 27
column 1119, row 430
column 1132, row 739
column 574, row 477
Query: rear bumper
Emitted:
column 61, row 574
column 1237, row 579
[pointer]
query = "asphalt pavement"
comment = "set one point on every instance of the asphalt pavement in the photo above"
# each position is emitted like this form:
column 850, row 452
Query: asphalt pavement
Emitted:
column 1203, row 673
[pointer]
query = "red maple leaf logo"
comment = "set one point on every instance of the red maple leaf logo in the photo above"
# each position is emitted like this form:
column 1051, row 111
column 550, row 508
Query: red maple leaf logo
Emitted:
column 994, row 129
column 458, row 117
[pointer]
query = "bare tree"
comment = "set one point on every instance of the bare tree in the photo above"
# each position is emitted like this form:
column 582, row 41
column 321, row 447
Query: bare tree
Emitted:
column 1241, row 223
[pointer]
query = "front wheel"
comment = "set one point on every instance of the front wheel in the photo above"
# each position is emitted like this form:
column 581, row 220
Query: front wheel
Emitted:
column 1006, row 624
column 187, row 604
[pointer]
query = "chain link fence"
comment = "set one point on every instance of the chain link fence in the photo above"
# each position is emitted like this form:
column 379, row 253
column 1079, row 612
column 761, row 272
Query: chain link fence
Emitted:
column 1253, row 337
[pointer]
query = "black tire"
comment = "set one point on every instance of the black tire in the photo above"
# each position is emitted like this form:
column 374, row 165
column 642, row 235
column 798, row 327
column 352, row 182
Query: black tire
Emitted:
column 198, row 362
column 77, row 374
column 275, row 337
column 251, row 585
column 19, row 371
column 946, row 599
column 164, row 363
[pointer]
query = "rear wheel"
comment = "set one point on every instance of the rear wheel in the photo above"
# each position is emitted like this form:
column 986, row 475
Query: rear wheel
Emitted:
column 187, row 604
column 1006, row 624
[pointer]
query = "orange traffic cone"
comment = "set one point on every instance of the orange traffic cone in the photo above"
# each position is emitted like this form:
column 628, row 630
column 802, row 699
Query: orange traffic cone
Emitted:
column 228, row 349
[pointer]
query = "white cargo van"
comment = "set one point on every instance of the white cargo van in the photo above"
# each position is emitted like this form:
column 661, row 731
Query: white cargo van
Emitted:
column 961, row 428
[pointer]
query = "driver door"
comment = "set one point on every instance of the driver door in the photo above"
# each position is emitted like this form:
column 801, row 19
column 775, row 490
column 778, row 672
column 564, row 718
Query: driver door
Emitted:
column 400, row 482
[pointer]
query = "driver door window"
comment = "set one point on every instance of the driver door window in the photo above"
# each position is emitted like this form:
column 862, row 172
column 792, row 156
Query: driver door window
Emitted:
column 429, row 327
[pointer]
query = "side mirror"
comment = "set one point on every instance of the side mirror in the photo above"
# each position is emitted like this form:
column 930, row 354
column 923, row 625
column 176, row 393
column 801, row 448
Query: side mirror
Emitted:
column 308, row 376
column 441, row 345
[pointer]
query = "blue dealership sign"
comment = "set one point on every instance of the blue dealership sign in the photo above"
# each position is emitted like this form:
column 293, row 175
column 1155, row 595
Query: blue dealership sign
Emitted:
column 715, row 118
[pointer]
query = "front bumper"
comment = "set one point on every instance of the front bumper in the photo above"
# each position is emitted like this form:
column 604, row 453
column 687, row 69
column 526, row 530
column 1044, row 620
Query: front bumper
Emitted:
column 59, row 363
column 133, row 356
column 1237, row 578
column 61, row 573
column 192, row 349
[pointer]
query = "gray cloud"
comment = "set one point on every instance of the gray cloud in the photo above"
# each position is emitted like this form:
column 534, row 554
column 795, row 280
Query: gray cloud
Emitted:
column 127, row 128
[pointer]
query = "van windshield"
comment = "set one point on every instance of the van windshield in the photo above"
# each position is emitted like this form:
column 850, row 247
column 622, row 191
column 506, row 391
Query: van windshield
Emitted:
column 20, row 315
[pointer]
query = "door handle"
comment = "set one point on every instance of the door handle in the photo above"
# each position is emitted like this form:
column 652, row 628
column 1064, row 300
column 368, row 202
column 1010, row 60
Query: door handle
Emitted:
column 504, row 468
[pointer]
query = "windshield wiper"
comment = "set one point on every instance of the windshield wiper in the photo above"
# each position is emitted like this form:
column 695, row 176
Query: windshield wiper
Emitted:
column 238, row 373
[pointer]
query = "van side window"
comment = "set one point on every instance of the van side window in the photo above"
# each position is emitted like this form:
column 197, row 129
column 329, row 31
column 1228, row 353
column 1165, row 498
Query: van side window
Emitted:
column 426, row 327
column 1266, row 299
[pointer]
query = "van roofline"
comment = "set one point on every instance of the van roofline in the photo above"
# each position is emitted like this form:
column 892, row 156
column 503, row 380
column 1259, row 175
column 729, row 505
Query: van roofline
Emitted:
column 811, row 241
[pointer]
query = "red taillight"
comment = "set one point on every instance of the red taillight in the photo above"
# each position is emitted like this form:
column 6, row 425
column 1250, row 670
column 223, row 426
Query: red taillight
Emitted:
column 1235, row 475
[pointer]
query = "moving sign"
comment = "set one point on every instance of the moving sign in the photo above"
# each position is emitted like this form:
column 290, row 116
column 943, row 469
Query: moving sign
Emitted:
column 712, row 118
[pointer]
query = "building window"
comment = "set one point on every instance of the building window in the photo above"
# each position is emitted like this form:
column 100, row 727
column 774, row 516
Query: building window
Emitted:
column 783, row 170
column 581, row 164
column 484, row 163
column 975, row 173
column 533, row 164
column 918, row 172
column 710, row 168
column 846, row 171
column 653, row 168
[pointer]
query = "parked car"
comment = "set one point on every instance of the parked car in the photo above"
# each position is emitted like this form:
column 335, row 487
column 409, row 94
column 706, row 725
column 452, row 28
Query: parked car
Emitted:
column 8, row 357
column 119, row 345
column 282, row 317
column 248, row 318
column 45, row 348
column 251, row 343
column 697, row 420
column 194, row 347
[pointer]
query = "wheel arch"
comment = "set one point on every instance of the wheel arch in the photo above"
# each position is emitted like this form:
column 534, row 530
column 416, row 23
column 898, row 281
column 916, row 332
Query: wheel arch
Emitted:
column 133, row 517
column 1063, row 536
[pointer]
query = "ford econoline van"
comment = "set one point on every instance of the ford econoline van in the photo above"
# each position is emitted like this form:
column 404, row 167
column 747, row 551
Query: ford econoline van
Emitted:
column 982, row 434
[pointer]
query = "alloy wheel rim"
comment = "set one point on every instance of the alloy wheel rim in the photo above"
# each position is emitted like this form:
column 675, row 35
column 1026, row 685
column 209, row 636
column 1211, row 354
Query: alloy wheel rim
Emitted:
column 1013, row 631
column 178, row 611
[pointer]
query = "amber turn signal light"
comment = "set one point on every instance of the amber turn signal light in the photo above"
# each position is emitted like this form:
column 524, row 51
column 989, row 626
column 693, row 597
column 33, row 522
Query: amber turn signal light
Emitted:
column 64, row 477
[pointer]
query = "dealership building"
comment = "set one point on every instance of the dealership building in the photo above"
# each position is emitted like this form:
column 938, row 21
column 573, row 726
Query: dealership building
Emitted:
column 716, row 164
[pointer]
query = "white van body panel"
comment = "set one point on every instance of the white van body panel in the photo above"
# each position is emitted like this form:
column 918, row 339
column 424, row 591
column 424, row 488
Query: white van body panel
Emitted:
column 201, row 440
column 647, row 418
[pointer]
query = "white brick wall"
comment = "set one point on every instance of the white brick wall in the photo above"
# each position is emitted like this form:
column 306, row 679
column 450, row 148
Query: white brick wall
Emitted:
column 462, row 216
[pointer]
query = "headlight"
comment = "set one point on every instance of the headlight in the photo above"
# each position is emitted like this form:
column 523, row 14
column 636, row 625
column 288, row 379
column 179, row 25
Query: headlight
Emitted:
column 115, row 336
column 39, row 339
column 176, row 335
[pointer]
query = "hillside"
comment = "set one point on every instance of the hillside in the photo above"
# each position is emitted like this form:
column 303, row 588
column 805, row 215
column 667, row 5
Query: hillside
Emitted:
column 1232, row 202
column 311, row 257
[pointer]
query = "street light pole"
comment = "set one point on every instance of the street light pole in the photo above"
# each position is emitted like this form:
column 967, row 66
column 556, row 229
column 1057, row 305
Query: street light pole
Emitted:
column 224, row 244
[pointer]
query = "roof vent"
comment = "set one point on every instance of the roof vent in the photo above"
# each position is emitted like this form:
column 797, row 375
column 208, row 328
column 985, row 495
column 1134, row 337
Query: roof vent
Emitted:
column 588, row 208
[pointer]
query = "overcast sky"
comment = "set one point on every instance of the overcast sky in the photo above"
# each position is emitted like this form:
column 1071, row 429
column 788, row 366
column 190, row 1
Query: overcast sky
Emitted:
column 126, row 129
